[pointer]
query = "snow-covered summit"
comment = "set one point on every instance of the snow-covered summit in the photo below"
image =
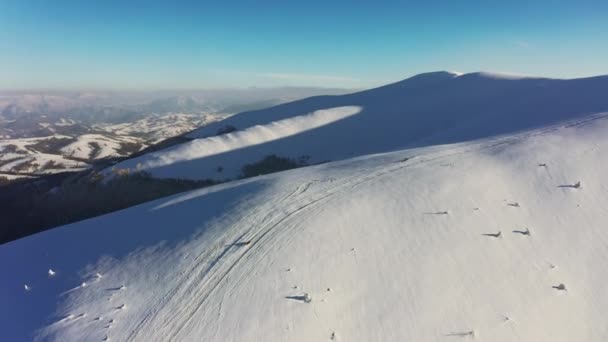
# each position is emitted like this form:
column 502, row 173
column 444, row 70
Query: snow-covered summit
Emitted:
column 433, row 77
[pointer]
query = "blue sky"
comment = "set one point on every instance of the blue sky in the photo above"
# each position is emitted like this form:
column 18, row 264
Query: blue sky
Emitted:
column 212, row 44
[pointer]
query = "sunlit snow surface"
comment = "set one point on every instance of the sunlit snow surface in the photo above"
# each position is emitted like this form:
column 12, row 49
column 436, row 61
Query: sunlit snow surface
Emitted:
column 388, row 247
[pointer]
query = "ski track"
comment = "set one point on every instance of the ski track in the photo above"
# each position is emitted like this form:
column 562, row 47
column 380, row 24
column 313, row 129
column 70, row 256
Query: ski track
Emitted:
column 195, row 290
column 262, row 237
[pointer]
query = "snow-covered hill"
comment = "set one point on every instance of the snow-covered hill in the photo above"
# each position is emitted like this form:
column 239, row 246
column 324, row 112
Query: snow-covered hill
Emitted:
column 154, row 128
column 37, row 156
column 488, row 240
column 425, row 110
column 61, row 153
column 68, row 145
column 99, row 146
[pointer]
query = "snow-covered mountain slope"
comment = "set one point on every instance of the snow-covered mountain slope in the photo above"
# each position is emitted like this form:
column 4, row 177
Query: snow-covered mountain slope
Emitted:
column 428, row 109
column 98, row 146
column 490, row 240
column 81, row 144
column 37, row 156
column 155, row 128
column 61, row 153
column 197, row 150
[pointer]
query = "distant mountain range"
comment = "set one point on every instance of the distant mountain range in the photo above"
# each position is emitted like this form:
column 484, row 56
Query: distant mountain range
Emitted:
column 120, row 107
column 47, row 132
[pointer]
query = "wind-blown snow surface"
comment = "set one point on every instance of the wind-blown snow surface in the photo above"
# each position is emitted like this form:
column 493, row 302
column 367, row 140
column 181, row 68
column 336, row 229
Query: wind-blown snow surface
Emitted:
column 198, row 149
column 424, row 110
column 389, row 247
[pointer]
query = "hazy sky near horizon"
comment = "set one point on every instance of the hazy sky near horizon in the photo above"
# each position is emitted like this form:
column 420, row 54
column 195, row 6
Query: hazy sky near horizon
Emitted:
column 354, row 44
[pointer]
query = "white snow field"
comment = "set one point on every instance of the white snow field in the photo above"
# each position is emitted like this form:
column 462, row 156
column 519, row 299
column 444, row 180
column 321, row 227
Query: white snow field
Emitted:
column 490, row 240
column 425, row 110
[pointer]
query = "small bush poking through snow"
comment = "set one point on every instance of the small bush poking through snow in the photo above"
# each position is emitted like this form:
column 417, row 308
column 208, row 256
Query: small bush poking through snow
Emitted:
column 307, row 298
column 560, row 287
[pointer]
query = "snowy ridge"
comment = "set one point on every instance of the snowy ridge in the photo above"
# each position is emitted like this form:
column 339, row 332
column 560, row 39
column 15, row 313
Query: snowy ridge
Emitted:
column 97, row 146
column 32, row 156
column 9, row 176
column 501, row 239
column 154, row 128
column 425, row 110
column 252, row 136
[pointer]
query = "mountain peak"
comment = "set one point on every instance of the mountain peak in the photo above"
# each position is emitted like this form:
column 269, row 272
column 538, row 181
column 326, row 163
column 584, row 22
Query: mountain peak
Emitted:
column 435, row 76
